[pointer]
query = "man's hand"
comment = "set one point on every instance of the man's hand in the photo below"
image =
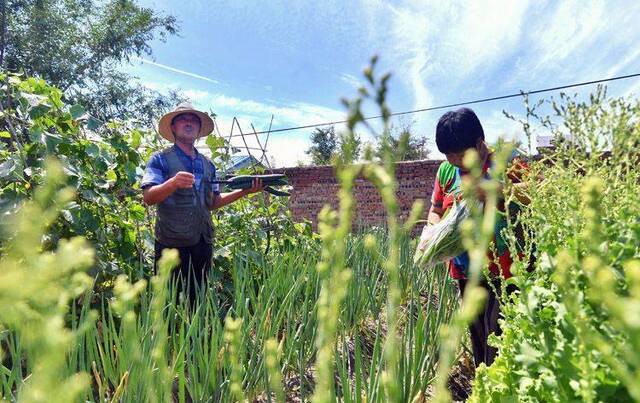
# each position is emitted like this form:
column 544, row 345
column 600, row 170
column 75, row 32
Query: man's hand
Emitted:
column 159, row 193
column 256, row 186
column 183, row 180
column 227, row 198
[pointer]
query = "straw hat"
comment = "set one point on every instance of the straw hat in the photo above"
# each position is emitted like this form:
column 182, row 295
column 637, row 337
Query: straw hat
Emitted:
column 164, row 126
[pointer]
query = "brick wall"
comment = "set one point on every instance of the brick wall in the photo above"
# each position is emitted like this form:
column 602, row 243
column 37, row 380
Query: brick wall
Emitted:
column 315, row 186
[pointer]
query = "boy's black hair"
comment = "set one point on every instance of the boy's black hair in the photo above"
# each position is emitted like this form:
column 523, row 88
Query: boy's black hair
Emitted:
column 457, row 131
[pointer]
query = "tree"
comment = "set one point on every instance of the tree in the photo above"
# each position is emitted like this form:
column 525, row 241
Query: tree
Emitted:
column 79, row 46
column 405, row 144
column 324, row 145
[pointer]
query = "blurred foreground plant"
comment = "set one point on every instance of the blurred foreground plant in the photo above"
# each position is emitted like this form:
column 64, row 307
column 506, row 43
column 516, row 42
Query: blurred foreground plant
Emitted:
column 36, row 287
column 334, row 228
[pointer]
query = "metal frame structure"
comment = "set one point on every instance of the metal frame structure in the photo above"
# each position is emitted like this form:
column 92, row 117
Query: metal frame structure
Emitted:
column 261, row 150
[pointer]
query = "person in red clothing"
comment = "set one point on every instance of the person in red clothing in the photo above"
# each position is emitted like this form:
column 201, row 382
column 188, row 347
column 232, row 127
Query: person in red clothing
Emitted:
column 456, row 133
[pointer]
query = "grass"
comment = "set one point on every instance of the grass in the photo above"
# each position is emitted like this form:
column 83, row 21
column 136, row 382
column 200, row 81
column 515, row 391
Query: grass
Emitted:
column 277, row 300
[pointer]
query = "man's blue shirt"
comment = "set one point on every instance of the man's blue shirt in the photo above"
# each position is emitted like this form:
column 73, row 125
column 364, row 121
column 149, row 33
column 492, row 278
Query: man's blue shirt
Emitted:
column 157, row 171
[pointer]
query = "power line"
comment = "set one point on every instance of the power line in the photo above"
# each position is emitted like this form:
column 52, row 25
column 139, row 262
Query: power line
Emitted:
column 433, row 108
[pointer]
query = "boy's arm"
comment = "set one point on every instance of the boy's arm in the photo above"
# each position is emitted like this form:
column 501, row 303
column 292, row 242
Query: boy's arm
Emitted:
column 435, row 214
column 521, row 192
column 520, row 187
column 436, row 211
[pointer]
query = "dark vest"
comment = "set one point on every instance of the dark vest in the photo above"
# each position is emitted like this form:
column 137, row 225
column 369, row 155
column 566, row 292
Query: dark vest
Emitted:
column 183, row 217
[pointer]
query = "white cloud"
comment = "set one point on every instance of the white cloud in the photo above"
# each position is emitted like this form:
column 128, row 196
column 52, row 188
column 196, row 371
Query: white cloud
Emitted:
column 297, row 113
column 285, row 149
column 628, row 60
column 411, row 33
column 288, row 149
column 573, row 26
column 486, row 33
column 497, row 126
column 175, row 70
column 447, row 51
column 436, row 48
column 634, row 90
column 155, row 86
column 196, row 95
column 454, row 38
column 351, row 80
column 574, row 40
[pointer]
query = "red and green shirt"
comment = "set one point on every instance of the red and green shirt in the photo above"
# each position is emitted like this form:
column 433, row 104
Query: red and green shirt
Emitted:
column 447, row 189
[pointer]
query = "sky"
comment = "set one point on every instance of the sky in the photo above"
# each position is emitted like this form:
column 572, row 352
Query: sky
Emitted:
column 295, row 60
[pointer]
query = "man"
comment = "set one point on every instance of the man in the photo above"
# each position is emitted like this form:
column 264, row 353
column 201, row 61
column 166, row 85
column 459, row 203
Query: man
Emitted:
column 179, row 180
column 456, row 133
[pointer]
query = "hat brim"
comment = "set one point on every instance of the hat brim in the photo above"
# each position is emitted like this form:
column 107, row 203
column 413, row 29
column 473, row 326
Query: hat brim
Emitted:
column 164, row 126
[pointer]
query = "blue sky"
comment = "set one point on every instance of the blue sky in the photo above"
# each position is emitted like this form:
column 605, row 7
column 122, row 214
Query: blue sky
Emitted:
column 296, row 59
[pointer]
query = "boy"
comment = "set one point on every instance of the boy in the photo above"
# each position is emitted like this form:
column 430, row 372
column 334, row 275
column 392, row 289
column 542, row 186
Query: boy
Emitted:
column 456, row 133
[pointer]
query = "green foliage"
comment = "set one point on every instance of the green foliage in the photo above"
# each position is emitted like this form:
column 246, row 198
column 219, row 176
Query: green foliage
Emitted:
column 147, row 345
column 327, row 145
column 104, row 165
column 391, row 382
column 570, row 332
column 277, row 298
column 265, row 274
column 477, row 234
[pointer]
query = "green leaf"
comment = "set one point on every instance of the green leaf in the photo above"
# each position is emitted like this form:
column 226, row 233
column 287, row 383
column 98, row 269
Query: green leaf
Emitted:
column 137, row 212
column 76, row 111
column 94, row 124
column 130, row 170
column 5, row 135
column 35, row 134
column 92, row 150
column 102, row 184
column 136, row 138
column 111, row 175
column 39, row 111
column 51, row 140
column 6, row 168
column 215, row 143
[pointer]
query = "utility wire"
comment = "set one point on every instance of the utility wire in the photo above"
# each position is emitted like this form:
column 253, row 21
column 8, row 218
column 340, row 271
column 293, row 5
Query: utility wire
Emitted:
column 433, row 108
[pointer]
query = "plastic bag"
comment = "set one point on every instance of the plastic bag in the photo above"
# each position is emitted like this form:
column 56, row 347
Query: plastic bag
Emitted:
column 443, row 241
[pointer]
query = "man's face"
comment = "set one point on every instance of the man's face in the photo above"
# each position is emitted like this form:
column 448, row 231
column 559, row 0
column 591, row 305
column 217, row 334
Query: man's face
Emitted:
column 186, row 127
